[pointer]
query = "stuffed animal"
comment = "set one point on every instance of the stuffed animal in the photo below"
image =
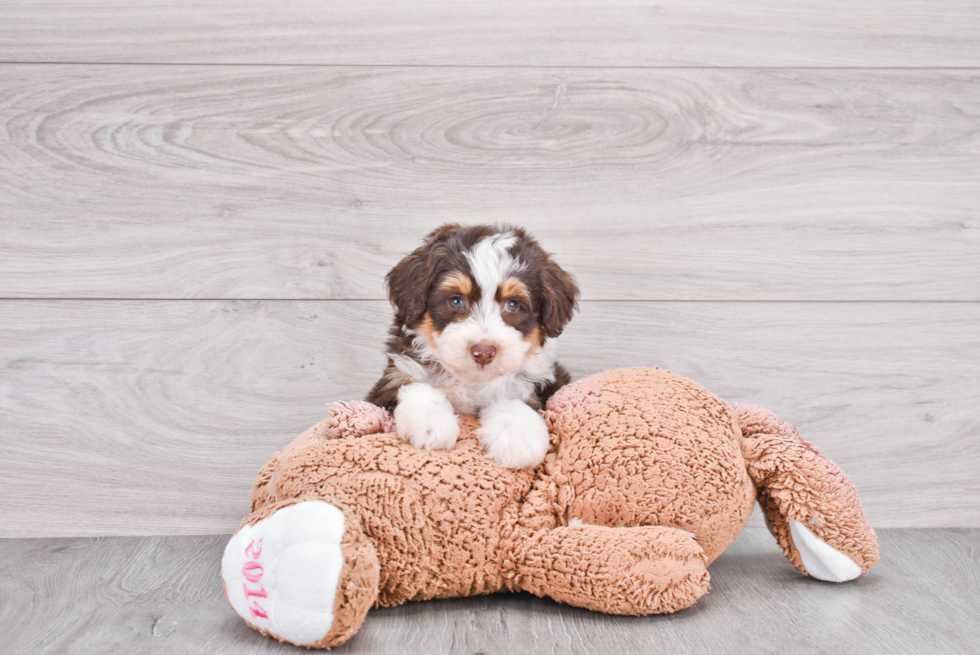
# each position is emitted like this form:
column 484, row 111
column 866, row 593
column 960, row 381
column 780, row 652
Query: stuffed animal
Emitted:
column 649, row 477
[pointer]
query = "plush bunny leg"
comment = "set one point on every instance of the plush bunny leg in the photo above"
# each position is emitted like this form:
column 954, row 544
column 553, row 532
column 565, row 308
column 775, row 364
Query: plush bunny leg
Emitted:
column 811, row 507
column 634, row 571
column 301, row 571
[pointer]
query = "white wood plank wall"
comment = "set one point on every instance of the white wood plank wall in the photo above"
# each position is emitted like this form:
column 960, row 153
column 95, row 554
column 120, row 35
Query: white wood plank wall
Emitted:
column 199, row 202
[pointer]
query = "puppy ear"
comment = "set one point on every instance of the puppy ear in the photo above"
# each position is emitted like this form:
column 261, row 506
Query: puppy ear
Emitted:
column 559, row 298
column 409, row 282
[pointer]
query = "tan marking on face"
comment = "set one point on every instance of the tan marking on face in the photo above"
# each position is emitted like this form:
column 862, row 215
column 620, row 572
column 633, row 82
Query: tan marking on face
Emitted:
column 426, row 328
column 534, row 336
column 459, row 282
column 514, row 288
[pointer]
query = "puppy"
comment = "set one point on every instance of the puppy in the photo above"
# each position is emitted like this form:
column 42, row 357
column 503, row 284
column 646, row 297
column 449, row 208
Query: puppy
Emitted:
column 477, row 309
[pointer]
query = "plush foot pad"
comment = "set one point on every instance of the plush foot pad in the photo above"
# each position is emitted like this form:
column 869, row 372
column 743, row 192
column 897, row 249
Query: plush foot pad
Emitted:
column 632, row 571
column 823, row 562
column 282, row 574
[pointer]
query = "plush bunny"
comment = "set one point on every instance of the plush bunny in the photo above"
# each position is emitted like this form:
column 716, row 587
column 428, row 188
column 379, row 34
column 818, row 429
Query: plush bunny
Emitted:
column 649, row 477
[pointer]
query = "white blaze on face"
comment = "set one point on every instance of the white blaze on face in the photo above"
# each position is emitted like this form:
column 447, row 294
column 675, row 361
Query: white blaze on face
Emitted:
column 491, row 264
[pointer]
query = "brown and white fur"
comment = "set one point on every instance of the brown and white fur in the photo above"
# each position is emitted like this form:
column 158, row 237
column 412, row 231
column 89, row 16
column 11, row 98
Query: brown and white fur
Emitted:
column 477, row 309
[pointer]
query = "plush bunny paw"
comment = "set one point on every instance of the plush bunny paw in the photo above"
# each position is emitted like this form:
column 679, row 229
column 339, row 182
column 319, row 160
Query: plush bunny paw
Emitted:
column 282, row 573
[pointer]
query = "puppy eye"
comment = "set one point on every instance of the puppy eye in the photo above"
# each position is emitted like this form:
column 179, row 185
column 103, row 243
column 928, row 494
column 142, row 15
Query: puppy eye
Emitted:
column 456, row 302
column 511, row 305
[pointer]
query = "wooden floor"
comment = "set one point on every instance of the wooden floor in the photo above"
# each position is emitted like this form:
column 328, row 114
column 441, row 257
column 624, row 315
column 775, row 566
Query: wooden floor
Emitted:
column 199, row 202
column 162, row 595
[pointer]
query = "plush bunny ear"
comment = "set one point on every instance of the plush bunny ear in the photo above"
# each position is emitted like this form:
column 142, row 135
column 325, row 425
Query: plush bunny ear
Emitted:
column 409, row 282
column 559, row 295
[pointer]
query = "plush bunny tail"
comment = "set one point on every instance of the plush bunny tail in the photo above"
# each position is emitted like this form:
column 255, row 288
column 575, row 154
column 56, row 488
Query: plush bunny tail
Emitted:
column 810, row 506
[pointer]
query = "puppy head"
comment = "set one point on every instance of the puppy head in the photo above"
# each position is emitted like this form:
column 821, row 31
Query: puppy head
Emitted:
column 481, row 299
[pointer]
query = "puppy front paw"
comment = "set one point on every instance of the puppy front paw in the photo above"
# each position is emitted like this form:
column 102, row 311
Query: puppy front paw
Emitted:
column 425, row 418
column 513, row 435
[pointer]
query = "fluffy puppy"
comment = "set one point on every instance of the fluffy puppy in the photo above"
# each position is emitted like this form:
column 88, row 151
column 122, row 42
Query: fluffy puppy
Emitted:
column 477, row 309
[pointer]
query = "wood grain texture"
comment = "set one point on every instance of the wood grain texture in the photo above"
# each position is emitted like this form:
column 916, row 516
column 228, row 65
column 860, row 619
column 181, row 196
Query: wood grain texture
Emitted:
column 504, row 32
column 151, row 417
column 297, row 182
column 163, row 595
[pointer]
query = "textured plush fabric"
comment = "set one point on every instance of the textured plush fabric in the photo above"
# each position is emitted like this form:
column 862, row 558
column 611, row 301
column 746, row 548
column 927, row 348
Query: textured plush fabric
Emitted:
column 640, row 460
column 797, row 483
column 646, row 447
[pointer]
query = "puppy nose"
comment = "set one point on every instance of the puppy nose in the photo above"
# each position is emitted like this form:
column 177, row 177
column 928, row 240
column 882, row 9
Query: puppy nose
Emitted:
column 483, row 353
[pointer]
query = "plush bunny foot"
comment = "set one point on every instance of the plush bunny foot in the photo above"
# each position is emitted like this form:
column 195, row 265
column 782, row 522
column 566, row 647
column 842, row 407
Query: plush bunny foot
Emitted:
column 632, row 571
column 811, row 507
column 302, row 572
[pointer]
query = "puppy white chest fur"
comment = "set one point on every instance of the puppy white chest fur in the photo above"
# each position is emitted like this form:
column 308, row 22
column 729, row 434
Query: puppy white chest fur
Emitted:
column 519, row 385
